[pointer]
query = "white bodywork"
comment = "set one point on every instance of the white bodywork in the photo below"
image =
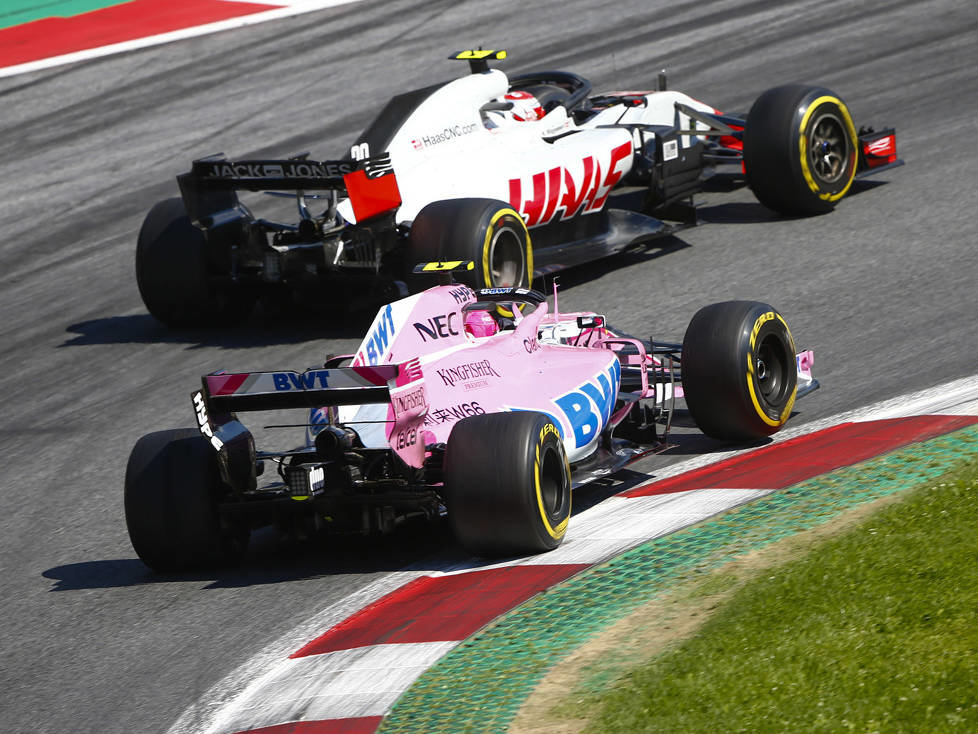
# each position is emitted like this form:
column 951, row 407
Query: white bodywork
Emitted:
column 546, row 169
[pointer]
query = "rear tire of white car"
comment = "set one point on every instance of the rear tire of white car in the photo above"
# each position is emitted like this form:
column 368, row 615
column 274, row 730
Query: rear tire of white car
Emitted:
column 738, row 369
column 800, row 149
column 507, row 484
column 490, row 233
column 171, row 272
column 171, row 490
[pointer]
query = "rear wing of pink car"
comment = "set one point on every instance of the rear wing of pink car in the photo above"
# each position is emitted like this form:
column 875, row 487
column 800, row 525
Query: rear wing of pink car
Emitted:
column 253, row 391
column 400, row 386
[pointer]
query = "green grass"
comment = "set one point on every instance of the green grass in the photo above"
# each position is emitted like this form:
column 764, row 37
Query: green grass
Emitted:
column 15, row 12
column 875, row 629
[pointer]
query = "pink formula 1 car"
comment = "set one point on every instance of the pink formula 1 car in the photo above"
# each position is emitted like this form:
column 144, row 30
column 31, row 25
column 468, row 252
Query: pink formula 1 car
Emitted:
column 482, row 405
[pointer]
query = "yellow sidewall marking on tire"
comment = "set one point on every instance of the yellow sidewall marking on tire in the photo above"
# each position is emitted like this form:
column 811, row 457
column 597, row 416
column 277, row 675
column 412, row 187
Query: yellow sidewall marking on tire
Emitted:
column 487, row 246
column 761, row 413
column 803, row 147
column 555, row 532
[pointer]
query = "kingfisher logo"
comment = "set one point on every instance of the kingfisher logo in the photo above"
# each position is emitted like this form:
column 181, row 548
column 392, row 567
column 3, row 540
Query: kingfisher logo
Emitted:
column 443, row 136
column 587, row 408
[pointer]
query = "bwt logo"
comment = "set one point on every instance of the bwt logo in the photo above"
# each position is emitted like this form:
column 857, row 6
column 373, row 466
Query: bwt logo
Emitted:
column 379, row 338
column 306, row 381
column 588, row 407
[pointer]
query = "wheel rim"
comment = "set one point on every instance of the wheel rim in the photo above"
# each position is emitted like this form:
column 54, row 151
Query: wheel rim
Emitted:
column 506, row 258
column 828, row 147
column 552, row 484
column 770, row 367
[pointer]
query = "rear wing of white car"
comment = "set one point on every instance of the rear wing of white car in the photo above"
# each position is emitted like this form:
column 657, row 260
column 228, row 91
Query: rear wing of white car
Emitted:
column 209, row 188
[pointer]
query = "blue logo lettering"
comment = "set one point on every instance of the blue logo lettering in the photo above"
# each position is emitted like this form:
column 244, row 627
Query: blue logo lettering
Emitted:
column 584, row 421
column 577, row 404
column 381, row 336
column 281, row 381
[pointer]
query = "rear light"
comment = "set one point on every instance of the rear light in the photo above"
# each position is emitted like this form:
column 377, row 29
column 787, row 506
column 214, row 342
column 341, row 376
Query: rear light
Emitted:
column 305, row 480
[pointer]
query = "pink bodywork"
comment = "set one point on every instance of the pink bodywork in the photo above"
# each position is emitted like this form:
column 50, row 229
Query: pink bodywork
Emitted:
column 453, row 375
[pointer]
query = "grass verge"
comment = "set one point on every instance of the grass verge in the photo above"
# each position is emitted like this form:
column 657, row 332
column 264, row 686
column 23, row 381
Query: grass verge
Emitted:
column 875, row 629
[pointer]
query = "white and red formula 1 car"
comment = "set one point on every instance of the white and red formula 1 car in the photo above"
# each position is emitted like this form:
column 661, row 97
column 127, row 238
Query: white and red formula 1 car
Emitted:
column 478, row 168
column 456, row 403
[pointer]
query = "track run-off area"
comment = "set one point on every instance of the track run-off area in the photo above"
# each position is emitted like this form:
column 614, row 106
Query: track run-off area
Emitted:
column 882, row 289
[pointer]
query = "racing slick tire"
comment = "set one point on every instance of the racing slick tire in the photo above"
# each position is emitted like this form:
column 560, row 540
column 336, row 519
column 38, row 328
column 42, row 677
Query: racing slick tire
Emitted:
column 171, row 490
column 507, row 484
column 800, row 149
column 171, row 272
column 738, row 370
column 490, row 233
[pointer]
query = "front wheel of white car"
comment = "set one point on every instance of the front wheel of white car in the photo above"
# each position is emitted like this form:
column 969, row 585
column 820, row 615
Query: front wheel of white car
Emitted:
column 507, row 484
column 800, row 149
column 490, row 233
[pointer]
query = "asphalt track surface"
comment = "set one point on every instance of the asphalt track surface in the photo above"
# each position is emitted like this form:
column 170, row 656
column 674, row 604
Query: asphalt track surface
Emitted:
column 882, row 288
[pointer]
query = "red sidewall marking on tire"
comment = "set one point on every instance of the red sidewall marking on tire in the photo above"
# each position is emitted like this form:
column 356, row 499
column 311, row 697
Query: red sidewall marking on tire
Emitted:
column 42, row 39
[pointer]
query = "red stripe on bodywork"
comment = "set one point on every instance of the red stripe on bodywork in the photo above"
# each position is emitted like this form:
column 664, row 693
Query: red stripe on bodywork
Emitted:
column 42, row 39
column 805, row 457
column 361, row 725
column 440, row 608
column 225, row 384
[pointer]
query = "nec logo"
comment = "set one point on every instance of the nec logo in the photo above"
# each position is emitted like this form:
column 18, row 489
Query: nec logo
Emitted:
column 588, row 406
column 438, row 327
column 558, row 190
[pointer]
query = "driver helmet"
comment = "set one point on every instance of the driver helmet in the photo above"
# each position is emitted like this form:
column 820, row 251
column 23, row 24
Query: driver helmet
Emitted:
column 526, row 107
column 480, row 324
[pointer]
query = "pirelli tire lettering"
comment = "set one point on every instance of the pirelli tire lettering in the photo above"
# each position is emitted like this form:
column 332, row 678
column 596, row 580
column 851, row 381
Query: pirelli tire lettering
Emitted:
column 800, row 149
column 739, row 371
column 553, row 515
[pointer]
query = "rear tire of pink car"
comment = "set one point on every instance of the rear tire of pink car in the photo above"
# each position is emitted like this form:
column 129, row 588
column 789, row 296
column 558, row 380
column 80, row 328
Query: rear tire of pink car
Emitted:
column 172, row 487
column 739, row 372
column 507, row 484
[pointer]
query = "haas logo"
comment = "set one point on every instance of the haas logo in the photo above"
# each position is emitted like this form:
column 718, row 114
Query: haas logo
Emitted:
column 561, row 190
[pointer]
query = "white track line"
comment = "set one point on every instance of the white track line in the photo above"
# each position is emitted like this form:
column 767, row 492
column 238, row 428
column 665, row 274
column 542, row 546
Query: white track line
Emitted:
column 290, row 8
